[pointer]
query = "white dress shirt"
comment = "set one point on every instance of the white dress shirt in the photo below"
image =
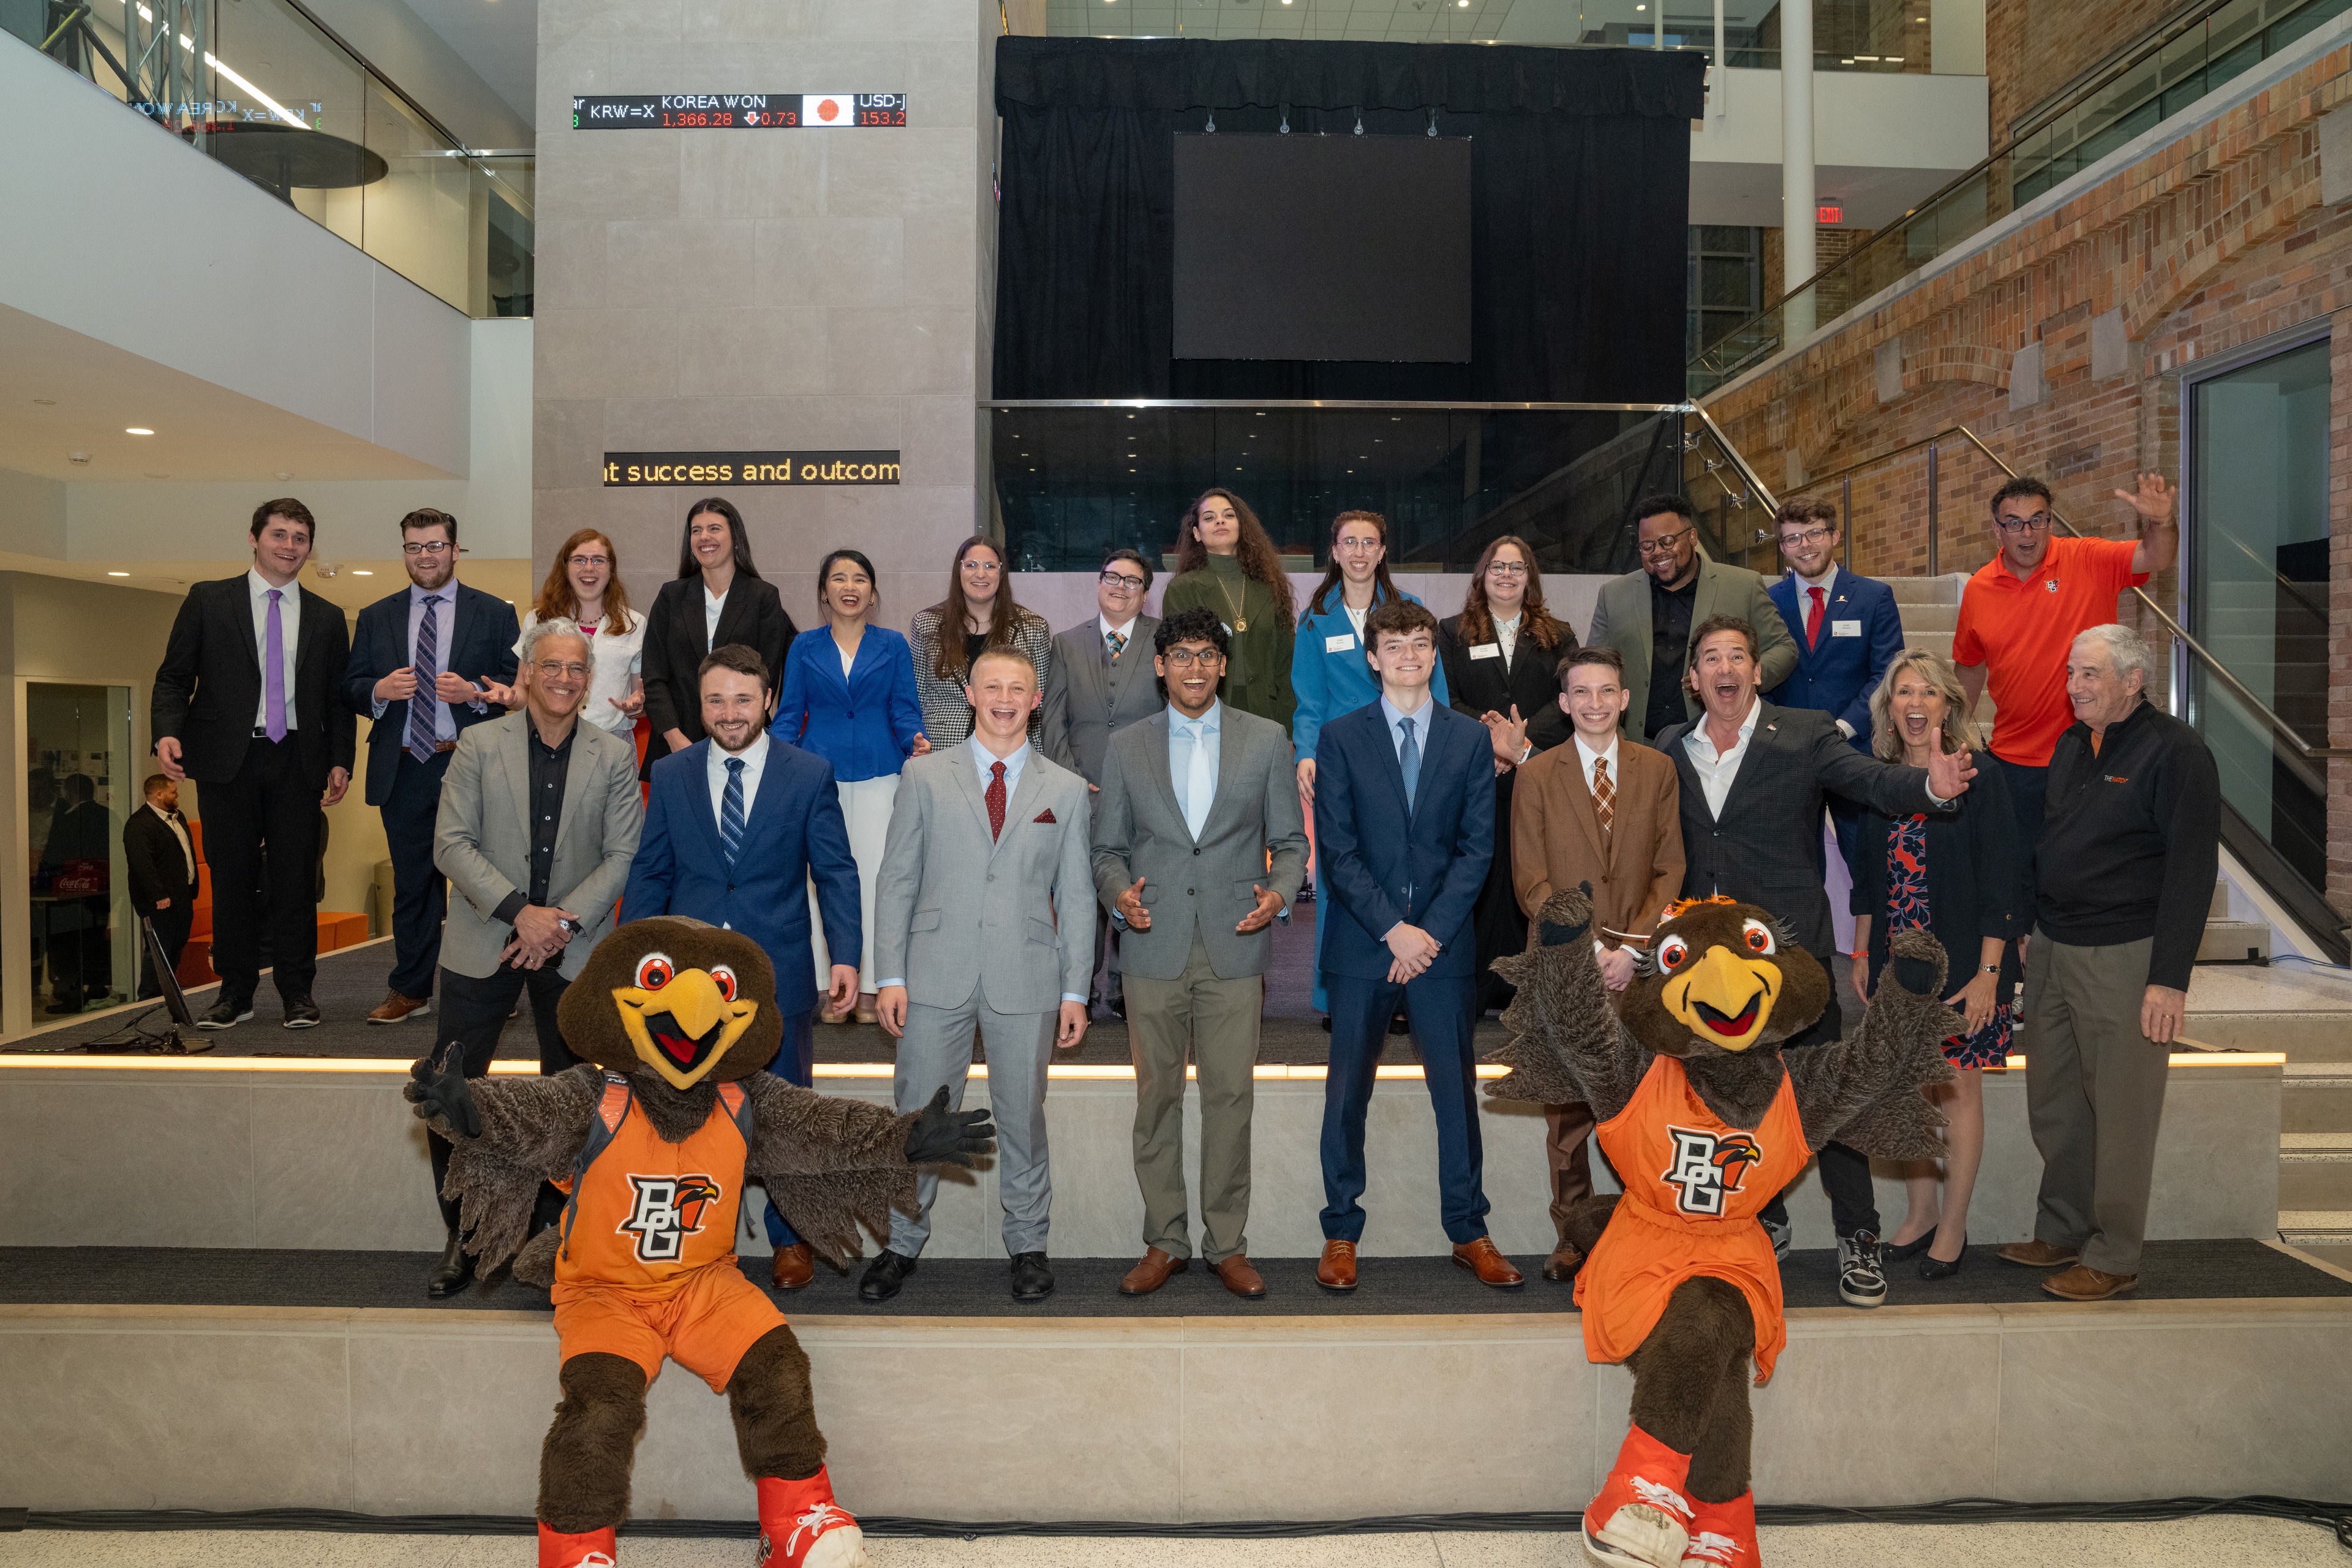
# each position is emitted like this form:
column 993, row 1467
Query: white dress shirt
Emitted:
column 1506, row 635
column 1205, row 735
column 754, row 758
column 187, row 850
column 289, row 630
column 713, row 606
column 1588, row 756
column 1396, row 717
column 1718, row 769
column 1127, row 633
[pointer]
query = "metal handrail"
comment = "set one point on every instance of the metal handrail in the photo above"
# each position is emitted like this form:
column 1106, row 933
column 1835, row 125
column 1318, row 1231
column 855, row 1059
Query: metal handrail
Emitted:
column 2237, row 687
column 1341, row 402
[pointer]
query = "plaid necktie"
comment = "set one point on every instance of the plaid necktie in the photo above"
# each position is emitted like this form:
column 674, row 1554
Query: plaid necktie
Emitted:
column 1604, row 794
column 996, row 800
column 424, row 708
column 1117, row 641
column 730, row 813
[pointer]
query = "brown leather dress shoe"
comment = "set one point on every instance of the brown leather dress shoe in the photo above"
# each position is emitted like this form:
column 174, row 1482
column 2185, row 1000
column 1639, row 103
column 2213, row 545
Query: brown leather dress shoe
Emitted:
column 1490, row 1266
column 1335, row 1269
column 2038, row 1253
column 1563, row 1263
column 2084, row 1283
column 1239, row 1277
column 796, row 1265
column 396, row 1007
column 1152, row 1272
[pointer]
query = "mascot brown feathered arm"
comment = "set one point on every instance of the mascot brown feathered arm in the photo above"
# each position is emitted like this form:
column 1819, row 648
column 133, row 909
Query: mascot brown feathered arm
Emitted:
column 1566, row 1041
column 506, row 1135
column 831, row 1163
column 1863, row 1091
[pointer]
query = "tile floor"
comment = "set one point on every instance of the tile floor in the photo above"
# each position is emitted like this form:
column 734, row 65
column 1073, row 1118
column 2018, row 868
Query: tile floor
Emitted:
column 2241, row 1543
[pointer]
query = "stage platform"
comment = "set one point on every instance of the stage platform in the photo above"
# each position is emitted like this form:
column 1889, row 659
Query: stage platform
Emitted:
column 954, row 1403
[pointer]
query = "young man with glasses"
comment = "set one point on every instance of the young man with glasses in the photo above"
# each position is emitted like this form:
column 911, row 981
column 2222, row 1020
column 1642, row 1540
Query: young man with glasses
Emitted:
column 2021, row 611
column 1101, row 683
column 1846, row 629
column 1647, row 615
column 427, row 663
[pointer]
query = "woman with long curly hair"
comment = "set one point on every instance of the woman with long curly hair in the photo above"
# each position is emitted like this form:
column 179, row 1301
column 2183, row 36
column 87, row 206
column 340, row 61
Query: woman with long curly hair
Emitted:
column 977, row 615
column 1226, row 564
column 585, row 585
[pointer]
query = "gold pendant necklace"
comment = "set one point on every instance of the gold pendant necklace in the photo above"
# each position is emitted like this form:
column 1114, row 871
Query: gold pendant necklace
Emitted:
column 1240, row 622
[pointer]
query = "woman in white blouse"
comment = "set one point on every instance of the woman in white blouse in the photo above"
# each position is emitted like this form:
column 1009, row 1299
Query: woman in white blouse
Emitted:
column 585, row 585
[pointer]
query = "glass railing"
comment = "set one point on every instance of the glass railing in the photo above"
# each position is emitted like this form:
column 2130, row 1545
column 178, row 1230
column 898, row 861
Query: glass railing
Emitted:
column 2121, row 100
column 261, row 87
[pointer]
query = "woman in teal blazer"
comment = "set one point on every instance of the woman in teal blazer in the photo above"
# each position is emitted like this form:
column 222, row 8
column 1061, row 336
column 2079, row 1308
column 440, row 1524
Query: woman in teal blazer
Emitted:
column 1327, row 670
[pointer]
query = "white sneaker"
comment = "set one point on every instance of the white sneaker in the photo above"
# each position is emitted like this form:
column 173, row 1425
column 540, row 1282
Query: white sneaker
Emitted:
column 1862, row 1279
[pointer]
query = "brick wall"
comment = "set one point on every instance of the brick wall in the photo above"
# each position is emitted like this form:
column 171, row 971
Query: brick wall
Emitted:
column 2033, row 47
column 2216, row 241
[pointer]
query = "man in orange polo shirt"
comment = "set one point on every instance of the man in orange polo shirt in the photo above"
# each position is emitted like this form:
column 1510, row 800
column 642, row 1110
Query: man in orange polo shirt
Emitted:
column 2021, row 611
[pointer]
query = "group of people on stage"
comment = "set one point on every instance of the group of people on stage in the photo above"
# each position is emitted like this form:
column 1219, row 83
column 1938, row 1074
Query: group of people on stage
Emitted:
column 985, row 830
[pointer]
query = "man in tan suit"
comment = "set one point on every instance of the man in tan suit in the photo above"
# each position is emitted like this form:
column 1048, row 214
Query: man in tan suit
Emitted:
column 1606, row 811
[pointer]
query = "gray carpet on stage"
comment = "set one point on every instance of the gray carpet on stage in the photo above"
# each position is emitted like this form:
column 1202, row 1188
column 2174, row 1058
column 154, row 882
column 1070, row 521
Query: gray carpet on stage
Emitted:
column 1085, row 1288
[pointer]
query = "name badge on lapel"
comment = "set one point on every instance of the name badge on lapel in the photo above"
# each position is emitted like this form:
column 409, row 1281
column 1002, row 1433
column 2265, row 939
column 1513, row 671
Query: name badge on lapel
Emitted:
column 1845, row 628
column 1487, row 650
column 1340, row 644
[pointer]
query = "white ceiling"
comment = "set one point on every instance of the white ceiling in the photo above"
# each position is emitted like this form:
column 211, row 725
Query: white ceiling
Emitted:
column 499, row 38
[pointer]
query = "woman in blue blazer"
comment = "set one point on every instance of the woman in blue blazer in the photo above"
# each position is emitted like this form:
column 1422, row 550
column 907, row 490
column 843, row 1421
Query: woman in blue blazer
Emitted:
column 1327, row 669
column 849, row 697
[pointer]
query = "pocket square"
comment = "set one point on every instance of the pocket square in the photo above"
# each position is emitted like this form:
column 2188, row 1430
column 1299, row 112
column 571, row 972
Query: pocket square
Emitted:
column 1045, row 815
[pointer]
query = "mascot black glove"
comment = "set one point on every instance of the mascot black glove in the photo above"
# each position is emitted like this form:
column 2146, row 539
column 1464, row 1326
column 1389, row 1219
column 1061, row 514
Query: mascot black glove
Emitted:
column 441, row 1092
column 944, row 1137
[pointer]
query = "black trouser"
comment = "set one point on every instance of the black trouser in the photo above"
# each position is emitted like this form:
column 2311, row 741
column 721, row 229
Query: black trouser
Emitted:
column 171, row 930
column 420, row 894
column 473, row 1012
column 81, row 960
column 1846, row 1172
column 268, row 801
column 2029, row 790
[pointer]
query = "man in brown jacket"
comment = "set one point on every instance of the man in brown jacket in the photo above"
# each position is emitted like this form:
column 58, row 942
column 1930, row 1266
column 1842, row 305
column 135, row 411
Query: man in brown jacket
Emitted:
column 1606, row 811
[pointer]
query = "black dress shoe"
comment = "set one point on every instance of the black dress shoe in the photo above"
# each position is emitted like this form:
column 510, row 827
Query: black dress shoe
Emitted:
column 452, row 1274
column 1904, row 1251
column 1933, row 1268
column 227, row 1013
column 1118, row 1008
column 884, row 1275
column 1032, row 1280
column 1326, row 1023
column 1400, row 1025
column 302, row 1013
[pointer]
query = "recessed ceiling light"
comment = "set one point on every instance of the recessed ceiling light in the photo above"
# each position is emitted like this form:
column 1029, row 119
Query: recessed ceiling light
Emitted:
column 362, row 571
column 118, row 573
column 137, row 430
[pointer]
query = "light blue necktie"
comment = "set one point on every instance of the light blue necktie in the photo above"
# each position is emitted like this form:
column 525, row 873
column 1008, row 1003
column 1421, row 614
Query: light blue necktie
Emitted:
column 1199, row 782
column 730, row 813
column 1409, row 759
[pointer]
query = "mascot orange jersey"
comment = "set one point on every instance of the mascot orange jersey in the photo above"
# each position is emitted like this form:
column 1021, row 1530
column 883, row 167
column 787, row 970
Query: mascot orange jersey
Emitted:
column 1694, row 1185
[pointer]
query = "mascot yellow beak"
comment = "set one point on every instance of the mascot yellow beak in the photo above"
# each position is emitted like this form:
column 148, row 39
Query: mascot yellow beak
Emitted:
column 683, row 1029
column 1724, row 999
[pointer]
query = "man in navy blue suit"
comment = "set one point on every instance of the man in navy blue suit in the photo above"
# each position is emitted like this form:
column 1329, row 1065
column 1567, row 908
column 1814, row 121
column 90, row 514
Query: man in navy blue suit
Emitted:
column 738, row 825
column 427, row 663
column 1405, row 823
column 1847, row 631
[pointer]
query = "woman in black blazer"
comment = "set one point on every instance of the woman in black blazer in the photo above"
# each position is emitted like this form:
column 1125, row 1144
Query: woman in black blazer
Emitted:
column 1502, row 656
column 714, row 566
column 1959, row 876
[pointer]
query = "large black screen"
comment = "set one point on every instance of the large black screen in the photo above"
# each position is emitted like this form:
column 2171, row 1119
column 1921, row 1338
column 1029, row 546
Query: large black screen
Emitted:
column 1322, row 248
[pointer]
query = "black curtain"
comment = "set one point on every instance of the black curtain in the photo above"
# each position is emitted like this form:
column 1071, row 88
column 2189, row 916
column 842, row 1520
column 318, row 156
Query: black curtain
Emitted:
column 1579, row 196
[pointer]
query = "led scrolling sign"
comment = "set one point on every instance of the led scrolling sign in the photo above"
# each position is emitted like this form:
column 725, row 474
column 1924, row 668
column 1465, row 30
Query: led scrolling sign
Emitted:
column 740, row 111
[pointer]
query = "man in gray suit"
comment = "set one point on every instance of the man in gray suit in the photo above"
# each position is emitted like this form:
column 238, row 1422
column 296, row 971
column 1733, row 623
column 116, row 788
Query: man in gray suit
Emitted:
column 1102, row 682
column 982, row 915
column 1648, row 615
column 1189, row 811
column 537, row 823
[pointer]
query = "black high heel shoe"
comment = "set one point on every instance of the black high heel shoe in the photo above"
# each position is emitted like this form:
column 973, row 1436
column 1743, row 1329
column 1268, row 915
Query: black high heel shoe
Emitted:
column 1900, row 1252
column 1937, row 1268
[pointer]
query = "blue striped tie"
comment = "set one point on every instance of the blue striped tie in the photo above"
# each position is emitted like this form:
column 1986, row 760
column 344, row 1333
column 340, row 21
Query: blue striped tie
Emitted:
column 424, row 708
column 730, row 813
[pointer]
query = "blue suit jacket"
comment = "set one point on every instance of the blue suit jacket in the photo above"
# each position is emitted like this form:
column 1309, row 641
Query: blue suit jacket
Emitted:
column 481, row 646
column 795, row 833
column 1379, row 864
column 1839, row 676
column 863, row 724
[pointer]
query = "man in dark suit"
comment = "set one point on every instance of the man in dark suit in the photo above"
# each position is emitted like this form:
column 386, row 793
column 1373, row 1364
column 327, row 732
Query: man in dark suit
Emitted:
column 163, row 867
column 425, row 663
column 1405, row 822
column 1097, row 688
column 1753, row 780
column 738, row 825
column 246, row 704
column 75, row 861
column 1847, row 631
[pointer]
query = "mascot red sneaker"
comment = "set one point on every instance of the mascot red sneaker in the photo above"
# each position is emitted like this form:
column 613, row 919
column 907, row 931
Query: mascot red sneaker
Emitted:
column 653, row 1141
column 1706, row 1121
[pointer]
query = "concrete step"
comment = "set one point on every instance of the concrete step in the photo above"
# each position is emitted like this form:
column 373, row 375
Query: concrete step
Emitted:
column 2312, row 1037
column 2315, row 1227
column 1924, row 621
column 2234, row 942
column 1910, row 591
column 2316, row 1170
column 2315, row 1097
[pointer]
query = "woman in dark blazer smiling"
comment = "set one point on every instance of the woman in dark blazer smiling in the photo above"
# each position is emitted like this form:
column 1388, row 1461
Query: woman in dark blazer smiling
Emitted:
column 716, row 598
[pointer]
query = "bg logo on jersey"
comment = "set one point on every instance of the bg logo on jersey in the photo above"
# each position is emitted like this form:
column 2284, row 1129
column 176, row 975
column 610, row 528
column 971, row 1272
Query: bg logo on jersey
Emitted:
column 667, row 1210
column 1707, row 1168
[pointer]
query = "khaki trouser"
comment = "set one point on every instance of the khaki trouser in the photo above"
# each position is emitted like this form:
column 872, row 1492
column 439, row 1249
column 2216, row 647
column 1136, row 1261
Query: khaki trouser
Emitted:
column 1214, row 1023
column 2094, row 1096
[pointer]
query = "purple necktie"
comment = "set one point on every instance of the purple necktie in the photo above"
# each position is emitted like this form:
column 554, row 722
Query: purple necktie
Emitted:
column 273, row 672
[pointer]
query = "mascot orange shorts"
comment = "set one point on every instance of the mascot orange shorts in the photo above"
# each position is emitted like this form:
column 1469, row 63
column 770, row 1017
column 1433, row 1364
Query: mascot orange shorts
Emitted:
column 705, row 1323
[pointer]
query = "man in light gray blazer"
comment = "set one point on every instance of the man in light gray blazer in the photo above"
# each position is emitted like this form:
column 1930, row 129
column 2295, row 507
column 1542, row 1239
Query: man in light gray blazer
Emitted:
column 537, row 823
column 1102, row 682
column 1191, row 807
column 983, row 910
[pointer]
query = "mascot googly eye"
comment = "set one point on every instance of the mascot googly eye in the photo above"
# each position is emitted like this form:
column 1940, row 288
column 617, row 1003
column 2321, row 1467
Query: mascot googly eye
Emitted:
column 1758, row 937
column 724, row 978
column 1672, row 953
column 655, row 971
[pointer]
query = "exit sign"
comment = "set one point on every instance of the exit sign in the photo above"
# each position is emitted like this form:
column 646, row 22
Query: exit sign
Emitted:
column 1830, row 212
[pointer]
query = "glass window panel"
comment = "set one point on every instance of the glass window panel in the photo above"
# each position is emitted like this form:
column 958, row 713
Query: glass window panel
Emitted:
column 85, row 935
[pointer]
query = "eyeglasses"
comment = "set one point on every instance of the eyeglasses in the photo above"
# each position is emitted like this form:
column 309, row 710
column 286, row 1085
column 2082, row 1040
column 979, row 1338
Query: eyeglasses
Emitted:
column 1664, row 545
column 1359, row 546
column 433, row 547
column 551, row 669
column 1121, row 580
column 1506, row 569
column 1185, row 658
column 1810, row 536
column 590, row 560
column 2038, row 523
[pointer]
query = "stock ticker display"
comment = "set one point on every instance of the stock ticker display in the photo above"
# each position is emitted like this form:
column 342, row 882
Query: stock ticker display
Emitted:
column 740, row 111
